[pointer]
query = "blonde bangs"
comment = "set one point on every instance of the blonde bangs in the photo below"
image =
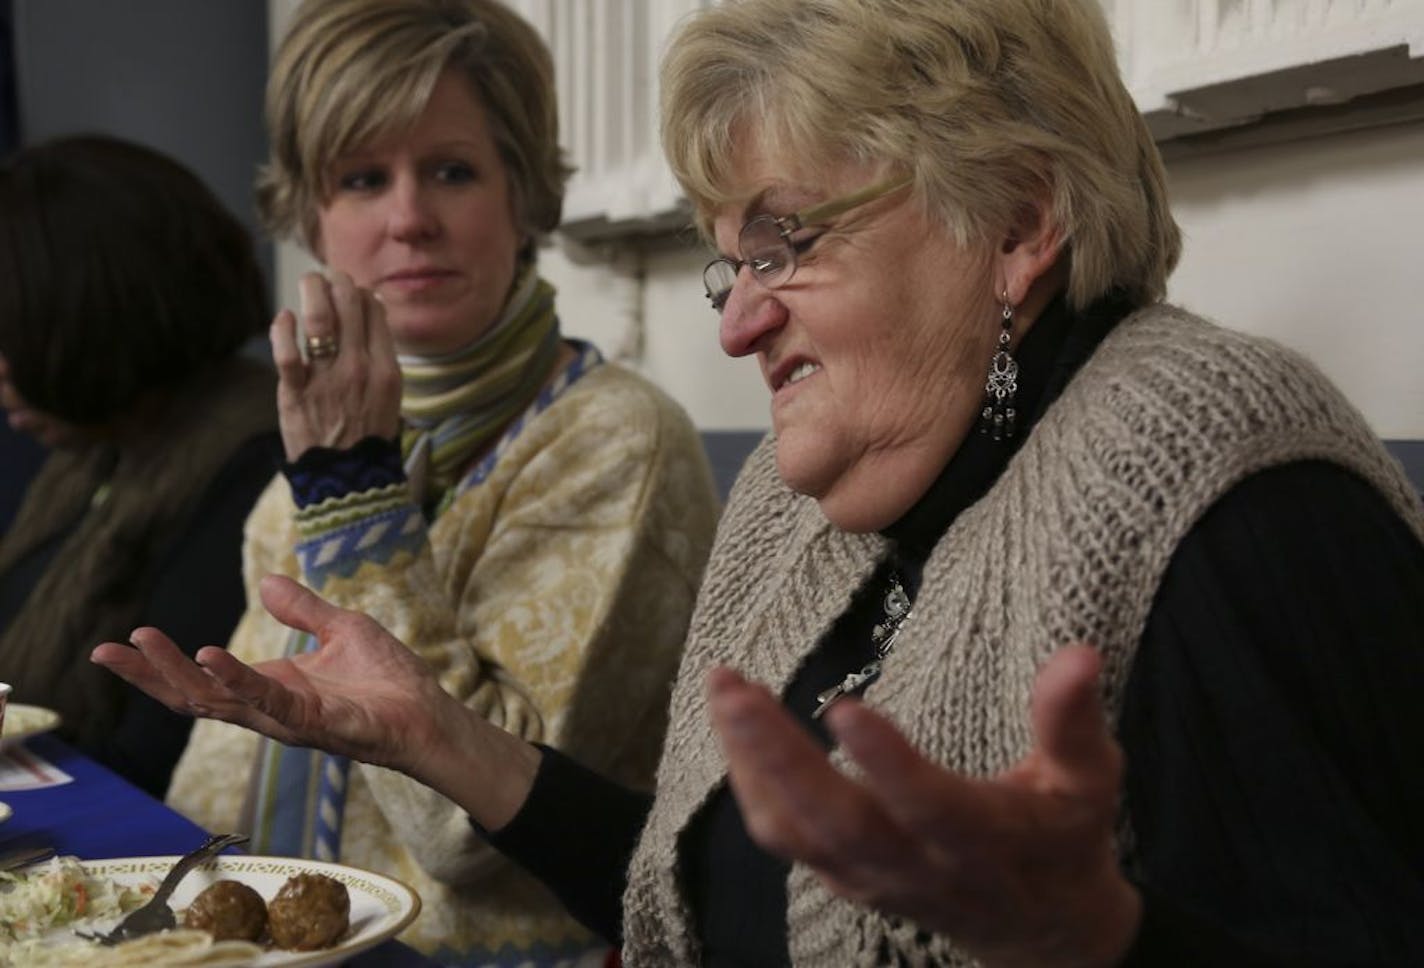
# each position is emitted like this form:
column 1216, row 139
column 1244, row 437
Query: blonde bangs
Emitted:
column 991, row 105
column 351, row 94
column 705, row 108
column 720, row 97
column 352, row 72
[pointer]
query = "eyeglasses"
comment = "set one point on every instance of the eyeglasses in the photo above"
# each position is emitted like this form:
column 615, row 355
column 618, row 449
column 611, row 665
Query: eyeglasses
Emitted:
column 765, row 243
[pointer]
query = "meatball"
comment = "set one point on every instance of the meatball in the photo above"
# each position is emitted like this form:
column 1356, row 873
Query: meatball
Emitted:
column 310, row 911
column 229, row 911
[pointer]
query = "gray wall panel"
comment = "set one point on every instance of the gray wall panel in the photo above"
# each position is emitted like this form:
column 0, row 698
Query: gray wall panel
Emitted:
column 184, row 76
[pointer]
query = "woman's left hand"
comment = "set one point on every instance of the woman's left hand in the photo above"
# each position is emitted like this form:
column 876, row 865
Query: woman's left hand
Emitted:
column 348, row 385
column 1019, row 868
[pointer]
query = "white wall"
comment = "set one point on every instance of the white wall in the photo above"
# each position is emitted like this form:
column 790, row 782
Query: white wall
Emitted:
column 1317, row 244
column 673, row 326
column 1314, row 243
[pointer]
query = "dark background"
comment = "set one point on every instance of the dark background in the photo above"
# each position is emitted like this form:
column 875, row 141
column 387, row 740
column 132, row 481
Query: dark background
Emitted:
column 182, row 76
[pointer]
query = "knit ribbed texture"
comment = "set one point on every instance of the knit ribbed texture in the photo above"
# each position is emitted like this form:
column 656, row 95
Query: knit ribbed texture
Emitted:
column 1069, row 545
column 454, row 406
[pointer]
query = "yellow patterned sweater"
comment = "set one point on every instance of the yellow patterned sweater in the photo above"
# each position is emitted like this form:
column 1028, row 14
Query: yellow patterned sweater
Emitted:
column 553, row 596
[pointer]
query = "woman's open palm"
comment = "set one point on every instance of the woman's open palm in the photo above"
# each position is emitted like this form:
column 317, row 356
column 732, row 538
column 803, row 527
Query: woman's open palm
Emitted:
column 361, row 693
column 1020, row 868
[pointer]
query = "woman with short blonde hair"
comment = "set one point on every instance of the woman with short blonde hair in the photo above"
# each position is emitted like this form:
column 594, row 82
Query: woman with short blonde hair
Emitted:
column 347, row 73
column 532, row 520
column 984, row 103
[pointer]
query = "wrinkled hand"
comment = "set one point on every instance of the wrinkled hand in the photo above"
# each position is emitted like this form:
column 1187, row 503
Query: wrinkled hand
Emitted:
column 335, row 401
column 1020, row 868
column 361, row 694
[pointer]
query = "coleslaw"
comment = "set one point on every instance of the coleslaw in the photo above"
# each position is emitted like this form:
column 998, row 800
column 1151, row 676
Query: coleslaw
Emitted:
column 57, row 893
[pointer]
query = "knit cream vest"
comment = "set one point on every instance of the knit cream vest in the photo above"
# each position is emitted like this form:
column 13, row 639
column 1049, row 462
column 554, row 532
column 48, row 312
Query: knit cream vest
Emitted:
column 1069, row 545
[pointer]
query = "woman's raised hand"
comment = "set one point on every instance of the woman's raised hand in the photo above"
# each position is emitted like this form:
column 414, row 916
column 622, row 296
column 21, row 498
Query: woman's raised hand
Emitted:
column 361, row 693
column 1019, row 868
column 346, row 385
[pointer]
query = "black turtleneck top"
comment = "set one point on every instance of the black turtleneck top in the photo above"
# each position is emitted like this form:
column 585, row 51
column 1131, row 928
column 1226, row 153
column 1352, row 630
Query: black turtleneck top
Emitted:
column 1271, row 724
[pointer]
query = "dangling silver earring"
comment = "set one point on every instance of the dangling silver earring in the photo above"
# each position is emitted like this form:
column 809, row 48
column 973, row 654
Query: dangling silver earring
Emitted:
column 999, row 418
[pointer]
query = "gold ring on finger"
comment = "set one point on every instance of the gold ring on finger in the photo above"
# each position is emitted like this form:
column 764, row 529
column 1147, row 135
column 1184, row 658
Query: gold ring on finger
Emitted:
column 321, row 347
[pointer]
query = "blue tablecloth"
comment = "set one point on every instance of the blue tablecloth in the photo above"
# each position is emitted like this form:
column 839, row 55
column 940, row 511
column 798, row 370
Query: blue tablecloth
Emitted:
column 101, row 815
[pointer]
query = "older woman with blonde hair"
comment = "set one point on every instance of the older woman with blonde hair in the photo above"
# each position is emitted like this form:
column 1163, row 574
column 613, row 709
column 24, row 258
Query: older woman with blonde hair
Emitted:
column 530, row 520
column 1127, row 600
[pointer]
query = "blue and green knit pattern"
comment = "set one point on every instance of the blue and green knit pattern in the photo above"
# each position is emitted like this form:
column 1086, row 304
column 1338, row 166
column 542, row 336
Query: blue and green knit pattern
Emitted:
column 340, row 534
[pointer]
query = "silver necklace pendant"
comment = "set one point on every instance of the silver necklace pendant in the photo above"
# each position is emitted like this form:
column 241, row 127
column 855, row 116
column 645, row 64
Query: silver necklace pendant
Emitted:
column 897, row 610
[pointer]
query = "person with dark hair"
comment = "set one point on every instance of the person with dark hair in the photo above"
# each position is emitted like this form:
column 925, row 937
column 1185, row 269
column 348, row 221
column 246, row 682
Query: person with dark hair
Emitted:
column 129, row 292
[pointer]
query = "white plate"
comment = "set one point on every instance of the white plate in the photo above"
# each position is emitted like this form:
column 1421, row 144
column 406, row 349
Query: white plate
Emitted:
column 380, row 906
column 22, row 722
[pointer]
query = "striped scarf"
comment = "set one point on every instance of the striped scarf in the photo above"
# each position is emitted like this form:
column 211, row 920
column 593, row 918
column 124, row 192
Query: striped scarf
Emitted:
column 454, row 406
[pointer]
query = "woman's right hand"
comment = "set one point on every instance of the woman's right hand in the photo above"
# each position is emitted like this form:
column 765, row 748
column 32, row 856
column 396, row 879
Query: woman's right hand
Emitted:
column 347, row 385
column 361, row 694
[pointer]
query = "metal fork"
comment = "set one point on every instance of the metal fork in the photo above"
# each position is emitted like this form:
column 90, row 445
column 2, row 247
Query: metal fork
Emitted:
column 156, row 915
column 25, row 856
column 22, row 856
